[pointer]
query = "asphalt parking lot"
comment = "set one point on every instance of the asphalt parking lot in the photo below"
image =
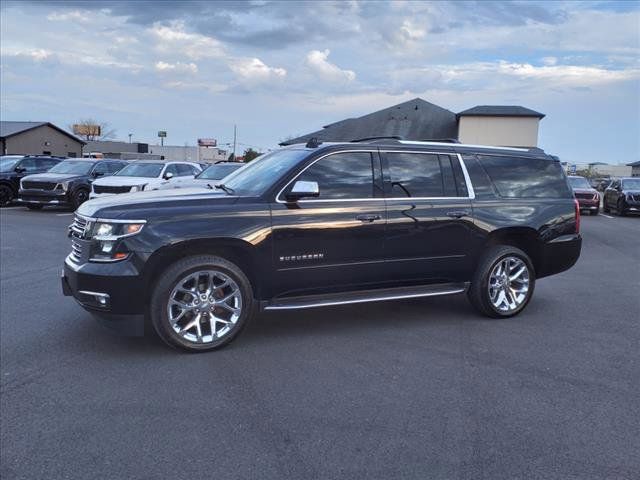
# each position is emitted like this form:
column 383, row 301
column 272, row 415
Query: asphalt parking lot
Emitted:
column 410, row 389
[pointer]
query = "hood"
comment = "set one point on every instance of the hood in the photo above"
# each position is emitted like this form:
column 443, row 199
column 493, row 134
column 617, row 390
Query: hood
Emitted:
column 53, row 177
column 113, row 206
column 123, row 181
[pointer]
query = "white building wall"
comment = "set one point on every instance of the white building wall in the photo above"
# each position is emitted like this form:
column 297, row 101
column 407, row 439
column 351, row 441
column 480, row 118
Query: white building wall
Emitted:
column 499, row 131
column 191, row 154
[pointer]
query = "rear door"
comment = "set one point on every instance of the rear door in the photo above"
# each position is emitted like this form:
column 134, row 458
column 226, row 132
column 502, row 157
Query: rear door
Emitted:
column 335, row 241
column 429, row 214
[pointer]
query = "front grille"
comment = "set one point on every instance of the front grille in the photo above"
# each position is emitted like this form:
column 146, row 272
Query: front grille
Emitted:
column 635, row 198
column 79, row 227
column 110, row 189
column 586, row 196
column 76, row 251
column 28, row 184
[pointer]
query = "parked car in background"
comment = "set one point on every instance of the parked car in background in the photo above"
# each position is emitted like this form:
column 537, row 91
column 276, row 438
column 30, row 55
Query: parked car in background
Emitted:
column 320, row 225
column 602, row 184
column 215, row 173
column 147, row 175
column 587, row 196
column 67, row 184
column 15, row 167
column 623, row 196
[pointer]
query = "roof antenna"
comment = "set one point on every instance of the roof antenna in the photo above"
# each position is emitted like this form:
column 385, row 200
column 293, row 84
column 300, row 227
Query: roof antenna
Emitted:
column 313, row 143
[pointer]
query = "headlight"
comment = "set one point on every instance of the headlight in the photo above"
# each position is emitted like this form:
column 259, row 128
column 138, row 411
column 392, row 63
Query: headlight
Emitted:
column 64, row 186
column 106, row 235
column 138, row 188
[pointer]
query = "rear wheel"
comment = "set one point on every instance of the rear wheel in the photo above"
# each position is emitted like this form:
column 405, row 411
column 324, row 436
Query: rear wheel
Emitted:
column 6, row 195
column 503, row 282
column 620, row 207
column 34, row 207
column 605, row 208
column 201, row 303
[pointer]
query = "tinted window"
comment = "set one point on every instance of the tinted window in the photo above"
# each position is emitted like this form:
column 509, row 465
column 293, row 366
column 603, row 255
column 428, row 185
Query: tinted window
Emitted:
column 415, row 175
column 184, row 170
column 516, row 177
column 32, row 164
column 579, row 182
column 173, row 168
column 218, row 172
column 448, row 181
column 461, row 183
column 8, row 163
column 342, row 175
column 102, row 168
column 115, row 166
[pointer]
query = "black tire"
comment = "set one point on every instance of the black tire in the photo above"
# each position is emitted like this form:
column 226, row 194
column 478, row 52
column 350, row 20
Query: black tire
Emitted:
column 35, row 207
column 605, row 209
column 6, row 195
column 78, row 197
column 596, row 211
column 478, row 293
column 168, row 280
column 620, row 208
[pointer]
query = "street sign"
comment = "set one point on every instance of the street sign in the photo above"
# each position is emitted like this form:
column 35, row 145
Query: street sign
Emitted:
column 162, row 133
column 207, row 142
column 572, row 168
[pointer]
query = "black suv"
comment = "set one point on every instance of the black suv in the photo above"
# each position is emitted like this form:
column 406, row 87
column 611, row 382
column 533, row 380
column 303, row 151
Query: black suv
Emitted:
column 326, row 224
column 623, row 195
column 68, row 183
column 15, row 167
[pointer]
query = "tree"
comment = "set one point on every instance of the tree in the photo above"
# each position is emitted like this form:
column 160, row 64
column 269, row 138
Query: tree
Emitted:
column 86, row 129
column 250, row 154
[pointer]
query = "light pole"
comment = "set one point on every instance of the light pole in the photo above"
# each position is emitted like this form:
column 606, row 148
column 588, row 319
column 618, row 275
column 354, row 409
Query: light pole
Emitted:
column 130, row 135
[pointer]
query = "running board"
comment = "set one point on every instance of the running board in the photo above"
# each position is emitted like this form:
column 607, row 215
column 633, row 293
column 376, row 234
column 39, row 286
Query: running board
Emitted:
column 362, row 296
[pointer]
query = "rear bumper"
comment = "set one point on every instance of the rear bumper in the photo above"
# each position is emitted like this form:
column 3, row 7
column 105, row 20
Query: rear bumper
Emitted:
column 111, row 292
column 43, row 197
column 560, row 254
column 588, row 204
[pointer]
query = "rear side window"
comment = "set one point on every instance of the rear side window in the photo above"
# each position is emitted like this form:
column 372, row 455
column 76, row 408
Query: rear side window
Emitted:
column 516, row 177
column 342, row 175
column 415, row 175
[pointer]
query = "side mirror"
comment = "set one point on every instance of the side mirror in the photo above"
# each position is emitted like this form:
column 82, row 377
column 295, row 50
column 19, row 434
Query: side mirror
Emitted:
column 303, row 189
column 168, row 176
column 20, row 169
column 98, row 174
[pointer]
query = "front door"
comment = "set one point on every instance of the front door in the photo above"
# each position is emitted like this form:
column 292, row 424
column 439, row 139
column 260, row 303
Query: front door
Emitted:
column 334, row 241
column 430, row 219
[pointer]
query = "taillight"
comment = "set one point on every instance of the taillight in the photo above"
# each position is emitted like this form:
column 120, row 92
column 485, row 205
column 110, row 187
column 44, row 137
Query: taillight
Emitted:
column 577, row 207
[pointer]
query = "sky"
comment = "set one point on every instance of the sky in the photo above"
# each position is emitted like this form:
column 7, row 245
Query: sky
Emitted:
column 283, row 69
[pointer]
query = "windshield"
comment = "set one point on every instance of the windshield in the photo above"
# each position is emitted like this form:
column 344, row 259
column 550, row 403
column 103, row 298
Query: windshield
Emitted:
column 72, row 167
column 261, row 173
column 218, row 172
column 579, row 182
column 631, row 184
column 8, row 163
column 148, row 170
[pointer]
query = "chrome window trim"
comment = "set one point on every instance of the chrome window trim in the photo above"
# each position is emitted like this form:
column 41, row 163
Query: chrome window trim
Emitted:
column 465, row 145
column 470, row 192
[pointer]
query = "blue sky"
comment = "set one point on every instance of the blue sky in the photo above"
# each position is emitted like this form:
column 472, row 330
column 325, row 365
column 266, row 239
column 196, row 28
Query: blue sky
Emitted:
column 280, row 69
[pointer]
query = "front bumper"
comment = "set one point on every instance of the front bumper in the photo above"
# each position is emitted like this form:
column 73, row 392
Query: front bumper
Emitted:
column 43, row 197
column 111, row 292
column 631, row 206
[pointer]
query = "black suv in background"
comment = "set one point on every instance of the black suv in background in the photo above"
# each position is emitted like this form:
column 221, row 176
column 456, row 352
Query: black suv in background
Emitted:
column 68, row 183
column 623, row 196
column 15, row 167
column 326, row 224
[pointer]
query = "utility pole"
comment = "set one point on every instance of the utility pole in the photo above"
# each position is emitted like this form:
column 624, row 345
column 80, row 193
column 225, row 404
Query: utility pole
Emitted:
column 235, row 131
column 130, row 135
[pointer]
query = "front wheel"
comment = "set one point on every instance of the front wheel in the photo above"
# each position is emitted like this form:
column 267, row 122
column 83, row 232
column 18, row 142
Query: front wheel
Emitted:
column 620, row 208
column 6, row 195
column 503, row 282
column 80, row 196
column 201, row 303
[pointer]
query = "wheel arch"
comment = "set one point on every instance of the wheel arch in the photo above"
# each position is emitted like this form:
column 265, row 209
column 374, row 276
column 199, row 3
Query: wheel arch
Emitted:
column 236, row 251
column 10, row 184
column 526, row 239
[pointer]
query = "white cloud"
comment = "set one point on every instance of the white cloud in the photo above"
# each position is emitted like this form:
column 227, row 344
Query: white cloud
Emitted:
column 549, row 60
column 177, row 67
column 173, row 39
column 317, row 61
column 72, row 16
column 254, row 70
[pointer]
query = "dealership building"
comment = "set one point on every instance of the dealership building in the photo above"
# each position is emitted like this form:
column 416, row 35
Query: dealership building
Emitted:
column 417, row 119
column 38, row 138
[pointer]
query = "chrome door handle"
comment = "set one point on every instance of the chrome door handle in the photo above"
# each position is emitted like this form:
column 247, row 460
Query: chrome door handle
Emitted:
column 368, row 218
column 458, row 214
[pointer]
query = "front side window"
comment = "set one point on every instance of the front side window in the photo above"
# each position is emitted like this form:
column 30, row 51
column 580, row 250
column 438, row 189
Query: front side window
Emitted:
column 518, row 177
column 8, row 163
column 347, row 175
column 185, row 170
column 173, row 169
column 415, row 175
column 101, row 168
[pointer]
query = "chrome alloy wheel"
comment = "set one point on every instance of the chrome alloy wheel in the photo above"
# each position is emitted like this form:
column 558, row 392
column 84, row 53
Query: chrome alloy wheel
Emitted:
column 204, row 306
column 508, row 284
